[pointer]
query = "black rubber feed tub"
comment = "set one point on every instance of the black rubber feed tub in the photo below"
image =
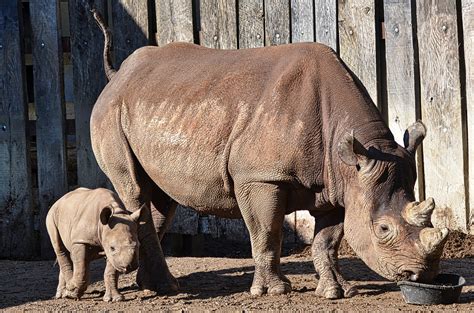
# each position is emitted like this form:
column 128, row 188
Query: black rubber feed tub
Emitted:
column 445, row 290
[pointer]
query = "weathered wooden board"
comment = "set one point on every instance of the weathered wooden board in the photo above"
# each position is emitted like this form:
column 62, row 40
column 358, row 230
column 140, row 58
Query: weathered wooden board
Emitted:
column 400, row 69
column 400, row 63
column 441, row 110
column 325, row 31
column 357, row 41
column 302, row 21
column 50, row 110
column 251, row 25
column 87, row 45
column 277, row 31
column 219, row 30
column 325, row 12
column 16, row 207
column 468, row 30
column 218, row 24
column 277, row 22
column 174, row 21
column 130, row 27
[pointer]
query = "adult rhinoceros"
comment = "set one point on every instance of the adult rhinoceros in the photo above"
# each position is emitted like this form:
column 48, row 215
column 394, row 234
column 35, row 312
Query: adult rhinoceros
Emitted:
column 260, row 133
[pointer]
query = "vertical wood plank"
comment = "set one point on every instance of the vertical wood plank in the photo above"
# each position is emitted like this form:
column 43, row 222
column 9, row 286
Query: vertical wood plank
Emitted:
column 50, row 110
column 218, row 24
column 302, row 21
column 16, row 206
column 130, row 27
column 357, row 41
column 468, row 29
column 277, row 22
column 277, row 32
column 400, row 66
column 87, row 45
column 400, row 69
column 325, row 12
column 218, row 30
column 174, row 20
column 441, row 109
column 251, row 26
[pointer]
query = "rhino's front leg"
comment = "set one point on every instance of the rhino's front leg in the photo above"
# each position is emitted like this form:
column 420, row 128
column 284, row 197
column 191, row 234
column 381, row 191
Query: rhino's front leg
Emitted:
column 111, row 284
column 329, row 232
column 77, row 285
column 263, row 209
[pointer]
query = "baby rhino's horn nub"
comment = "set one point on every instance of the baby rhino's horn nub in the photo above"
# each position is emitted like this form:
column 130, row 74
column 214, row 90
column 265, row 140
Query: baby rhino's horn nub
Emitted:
column 419, row 214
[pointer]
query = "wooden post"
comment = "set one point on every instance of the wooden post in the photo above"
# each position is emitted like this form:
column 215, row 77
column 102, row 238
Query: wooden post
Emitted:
column 130, row 27
column 251, row 28
column 441, row 110
column 277, row 22
column 180, row 12
column 325, row 12
column 218, row 30
column 357, row 41
column 87, row 45
column 218, row 24
column 401, row 77
column 468, row 29
column 16, row 207
column 302, row 21
column 50, row 110
column 400, row 66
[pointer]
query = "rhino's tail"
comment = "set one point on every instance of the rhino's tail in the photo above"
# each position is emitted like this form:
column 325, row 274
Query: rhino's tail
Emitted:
column 109, row 70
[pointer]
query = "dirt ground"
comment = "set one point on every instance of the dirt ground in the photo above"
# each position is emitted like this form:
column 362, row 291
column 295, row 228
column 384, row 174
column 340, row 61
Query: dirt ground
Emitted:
column 219, row 283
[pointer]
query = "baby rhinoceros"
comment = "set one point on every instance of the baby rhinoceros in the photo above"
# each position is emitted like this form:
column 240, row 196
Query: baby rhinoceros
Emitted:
column 84, row 225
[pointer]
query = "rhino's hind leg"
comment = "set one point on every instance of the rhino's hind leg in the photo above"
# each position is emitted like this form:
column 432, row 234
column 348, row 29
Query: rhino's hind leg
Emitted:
column 162, row 212
column 263, row 209
column 329, row 232
column 62, row 257
column 77, row 285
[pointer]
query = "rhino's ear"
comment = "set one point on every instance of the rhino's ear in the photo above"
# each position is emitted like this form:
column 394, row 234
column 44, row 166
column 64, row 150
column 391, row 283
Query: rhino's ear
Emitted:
column 139, row 214
column 105, row 215
column 351, row 151
column 414, row 135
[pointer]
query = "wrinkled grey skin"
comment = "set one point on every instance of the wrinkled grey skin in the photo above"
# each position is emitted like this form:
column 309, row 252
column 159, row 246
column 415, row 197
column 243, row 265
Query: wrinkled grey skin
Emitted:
column 84, row 225
column 257, row 134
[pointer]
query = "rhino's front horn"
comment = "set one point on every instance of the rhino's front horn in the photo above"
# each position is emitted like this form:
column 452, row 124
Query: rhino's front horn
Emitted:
column 419, row 214
column 432, row 239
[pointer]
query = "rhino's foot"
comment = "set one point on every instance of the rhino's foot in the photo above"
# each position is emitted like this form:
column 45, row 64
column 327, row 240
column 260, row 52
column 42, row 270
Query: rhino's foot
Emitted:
column 276, row 287
column 168, row 285
column 73, row 291
column 61, row 293
column 333, row 290
column 113, row 297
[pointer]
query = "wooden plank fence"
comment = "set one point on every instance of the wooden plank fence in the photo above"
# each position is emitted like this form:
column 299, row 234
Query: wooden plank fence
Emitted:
column 415, row 58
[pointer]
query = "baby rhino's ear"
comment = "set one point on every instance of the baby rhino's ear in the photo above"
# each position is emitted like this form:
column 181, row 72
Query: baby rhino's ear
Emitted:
column 139, row 215
column 105, row 215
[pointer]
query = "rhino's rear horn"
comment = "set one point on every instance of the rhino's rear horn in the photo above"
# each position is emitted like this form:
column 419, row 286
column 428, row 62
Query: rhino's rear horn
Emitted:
column 419, row 214
column 433, row 239
column 414, row 135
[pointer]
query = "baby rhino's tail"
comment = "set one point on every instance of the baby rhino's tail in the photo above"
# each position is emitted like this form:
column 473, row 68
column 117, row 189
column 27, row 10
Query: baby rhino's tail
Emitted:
column 109, row 70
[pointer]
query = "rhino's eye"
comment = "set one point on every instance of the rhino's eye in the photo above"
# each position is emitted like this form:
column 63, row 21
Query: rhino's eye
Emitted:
column 384, row 228
column 112, row 249
column 383, row 231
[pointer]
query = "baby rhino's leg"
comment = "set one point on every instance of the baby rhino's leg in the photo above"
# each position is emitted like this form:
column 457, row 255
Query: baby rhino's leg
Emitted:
column 77, row 285
column 62, row 257
column 111, row 284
